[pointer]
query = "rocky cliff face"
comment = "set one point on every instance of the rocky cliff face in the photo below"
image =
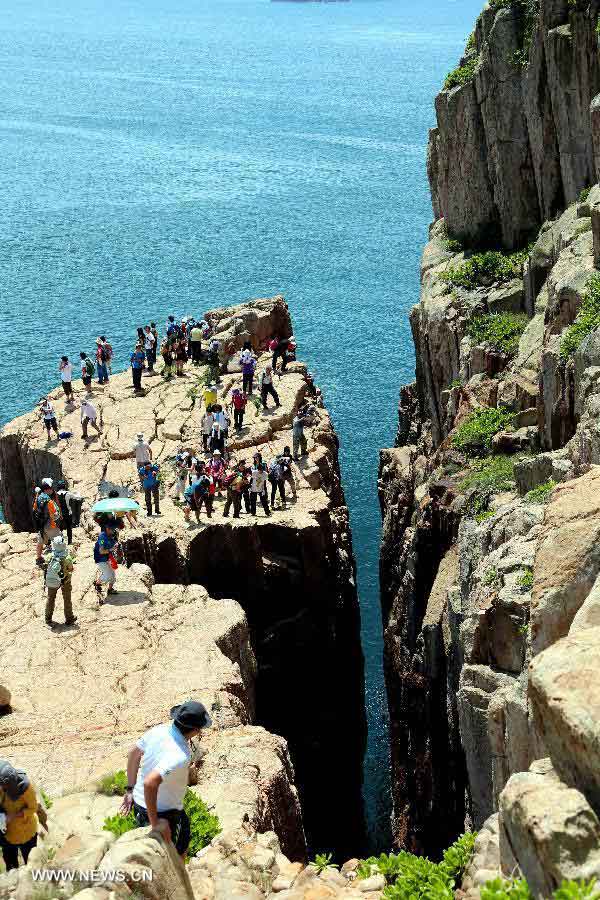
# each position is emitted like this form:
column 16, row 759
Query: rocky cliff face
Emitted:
column 489, row 566
column 258, row 615
column 513, row 144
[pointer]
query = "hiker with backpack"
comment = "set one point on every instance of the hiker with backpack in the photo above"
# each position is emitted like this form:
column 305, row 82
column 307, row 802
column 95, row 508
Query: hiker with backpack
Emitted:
column 235, row 482
column 48, row 416
column 46, row 517
column 64, row 497
column 248, row 364
column 87, row 372
column 58, row 577
column 166, row 351
column 108, row 353
column 298, row 436
column 183, row 464
column 267, row 387
column 19, row 812
column 105, row 556
column 277, row 482
column 66, row 377
column 101, row 361
column 137, row 367
column 200, row 491
column 88, row 417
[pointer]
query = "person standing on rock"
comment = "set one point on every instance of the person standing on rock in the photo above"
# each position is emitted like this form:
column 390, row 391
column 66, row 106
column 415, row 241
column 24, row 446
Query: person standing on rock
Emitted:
column 89, row 415
column 108, row 354
column 105, row 559
column 206, row 424
column 181, row 355
column 277, row 482
column 198, row 493
column 166, row 351
column 66, row 377
column 158, row 773
column 149, row 474
column 196, row 343
column 238, row 404
column 46, row 516
column 101, row 361
column 150, row 348
column 248, row 364
column 18, row 815
column 267, row 387
column 48, row 416
column 258, row 487
column 137, row 367
column 87, row 372
column 236, row 485
column 286, row 462
column 142, row 450
column 298, row 436
column 64, row 501
column 58, row 577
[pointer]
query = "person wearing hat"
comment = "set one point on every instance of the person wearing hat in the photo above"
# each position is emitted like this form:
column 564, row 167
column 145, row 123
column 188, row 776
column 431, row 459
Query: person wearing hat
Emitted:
column 137, row 367
column 158, row 772
column 89, row 414
column 18, row 815
column 266, row 386
column 58, row 577
column 216, row 469
column 143, row 452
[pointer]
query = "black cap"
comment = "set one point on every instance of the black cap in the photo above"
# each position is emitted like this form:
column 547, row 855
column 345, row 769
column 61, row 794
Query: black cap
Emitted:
column 191, row 714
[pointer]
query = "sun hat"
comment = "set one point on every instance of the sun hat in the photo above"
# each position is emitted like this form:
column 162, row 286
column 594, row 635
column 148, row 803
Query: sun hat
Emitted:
column 191, row 714
column 217, row 453
column 47, row 482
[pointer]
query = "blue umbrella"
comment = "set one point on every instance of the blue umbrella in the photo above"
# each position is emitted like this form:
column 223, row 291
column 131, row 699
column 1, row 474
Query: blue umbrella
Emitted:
column 115, row 505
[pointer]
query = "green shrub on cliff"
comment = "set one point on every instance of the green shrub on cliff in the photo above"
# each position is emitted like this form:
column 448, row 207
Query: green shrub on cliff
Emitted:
column 484, row 269
column 518, row 889
column 410, row 877
column 501, row 331
column 494, row 472
column 462, row 74
column 541, row 493
column 113, row 784
column 586, row 321
column 475, row 434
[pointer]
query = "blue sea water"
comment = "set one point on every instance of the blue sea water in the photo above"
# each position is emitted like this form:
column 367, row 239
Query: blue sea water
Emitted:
column 166, row 156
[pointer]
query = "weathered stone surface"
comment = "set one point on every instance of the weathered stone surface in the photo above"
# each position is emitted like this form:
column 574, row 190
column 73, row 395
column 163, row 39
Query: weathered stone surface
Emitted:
column 551, row 829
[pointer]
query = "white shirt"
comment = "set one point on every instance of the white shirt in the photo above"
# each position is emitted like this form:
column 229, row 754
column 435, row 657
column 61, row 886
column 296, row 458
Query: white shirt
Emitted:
column 207, row 423
column 66, row 372
column 142, row 452
column 259, row 479
column 167, row 752
column 88, row 411
column 149, row 340
column 220, row 419
column 48, row 411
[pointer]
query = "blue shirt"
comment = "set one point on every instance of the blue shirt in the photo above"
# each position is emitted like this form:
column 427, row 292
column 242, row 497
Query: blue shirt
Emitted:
column 149, row 476
column 137, row 359
column 104, row 542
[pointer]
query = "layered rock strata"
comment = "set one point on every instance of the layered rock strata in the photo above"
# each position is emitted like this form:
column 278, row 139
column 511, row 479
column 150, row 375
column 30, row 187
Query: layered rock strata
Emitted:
column 292, row 575
column 489, row 591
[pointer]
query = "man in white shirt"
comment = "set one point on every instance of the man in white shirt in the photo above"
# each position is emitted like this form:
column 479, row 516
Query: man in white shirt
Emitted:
column 158, row 772
column 88, row 417
column 150, row 348
column 143, row 451
column 66, row 376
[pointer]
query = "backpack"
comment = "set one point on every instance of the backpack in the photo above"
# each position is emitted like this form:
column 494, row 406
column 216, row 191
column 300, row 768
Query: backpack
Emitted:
column 89, row 366
column 103, row 354
column 40, row 512
column 54, row 573
column 274, row 470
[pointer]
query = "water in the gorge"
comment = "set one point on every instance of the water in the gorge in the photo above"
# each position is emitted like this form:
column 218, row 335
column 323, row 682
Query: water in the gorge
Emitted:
column 166, row 156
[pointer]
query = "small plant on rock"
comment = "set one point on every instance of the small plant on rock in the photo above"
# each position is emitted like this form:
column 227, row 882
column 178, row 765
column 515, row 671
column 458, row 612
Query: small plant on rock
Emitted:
column 490, row 577
column 204, row 825
column 484, row 269
column 113, row 784
column 462, row 74
column 322, row 862
column 499, row 889
column 46, row 800
column 584, row 194
column 493, row 472
column 541, row 493
column 475, row 434
column 119, row 824
column 526, row 579
column 586, row 321
column 500, row 331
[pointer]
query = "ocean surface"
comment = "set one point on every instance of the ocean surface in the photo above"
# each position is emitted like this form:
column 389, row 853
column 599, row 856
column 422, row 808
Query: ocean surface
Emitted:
column 164, row 156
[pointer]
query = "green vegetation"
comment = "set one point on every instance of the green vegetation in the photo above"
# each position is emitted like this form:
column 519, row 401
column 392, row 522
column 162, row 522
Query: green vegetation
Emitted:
column 119, row 824
column 527, row 11
column 526, row 579
column 490, row 577
column 204, row 825
column 113, row 784
column 46, row 800
column 475, row 434
column 485, row 514
column 585, row 193
column 517, row 889
column 501, row 331
column 410, row 877
column 462, row 74
column 541, row 493
column 586, row 321
column 483, row 269
column 322, row 862
column 493, row 472
column 456, row 383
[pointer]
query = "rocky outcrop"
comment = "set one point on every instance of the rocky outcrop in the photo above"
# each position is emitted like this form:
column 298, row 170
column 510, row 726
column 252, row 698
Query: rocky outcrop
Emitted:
column 489, row 587
column 525, row 147
column 284, row 653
